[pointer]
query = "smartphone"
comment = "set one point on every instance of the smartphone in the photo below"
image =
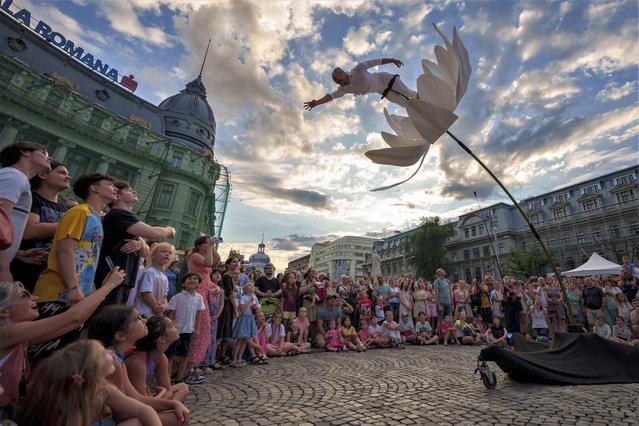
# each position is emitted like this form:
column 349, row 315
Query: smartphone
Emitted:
column 109, row 262
column 219, row 239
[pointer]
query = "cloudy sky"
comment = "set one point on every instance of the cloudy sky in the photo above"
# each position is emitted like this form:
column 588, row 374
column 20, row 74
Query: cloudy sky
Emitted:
column 552, row 100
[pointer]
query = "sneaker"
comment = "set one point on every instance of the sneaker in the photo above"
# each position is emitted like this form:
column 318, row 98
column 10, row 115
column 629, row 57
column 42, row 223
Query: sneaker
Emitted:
column 194, row 379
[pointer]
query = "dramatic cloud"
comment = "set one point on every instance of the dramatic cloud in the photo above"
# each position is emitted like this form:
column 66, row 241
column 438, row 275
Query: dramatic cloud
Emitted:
column 552, row 97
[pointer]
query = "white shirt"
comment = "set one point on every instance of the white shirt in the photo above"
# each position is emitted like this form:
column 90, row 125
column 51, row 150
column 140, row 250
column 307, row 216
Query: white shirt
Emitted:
column 363, row 82
column 155, row 282
column 185, row 305
column 14, row 187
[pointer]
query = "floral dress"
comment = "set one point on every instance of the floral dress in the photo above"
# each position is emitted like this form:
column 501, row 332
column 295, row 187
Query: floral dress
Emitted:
column 201, row 344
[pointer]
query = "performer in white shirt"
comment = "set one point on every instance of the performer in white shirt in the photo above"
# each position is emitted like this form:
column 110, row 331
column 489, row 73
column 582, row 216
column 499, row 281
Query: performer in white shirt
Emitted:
column 359, row 81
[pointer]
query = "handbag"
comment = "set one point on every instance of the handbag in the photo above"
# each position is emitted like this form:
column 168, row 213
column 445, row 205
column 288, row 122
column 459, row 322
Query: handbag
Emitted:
column 6, row 231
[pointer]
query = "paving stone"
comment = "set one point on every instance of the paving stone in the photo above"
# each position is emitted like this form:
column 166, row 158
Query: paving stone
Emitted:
column 420, row 385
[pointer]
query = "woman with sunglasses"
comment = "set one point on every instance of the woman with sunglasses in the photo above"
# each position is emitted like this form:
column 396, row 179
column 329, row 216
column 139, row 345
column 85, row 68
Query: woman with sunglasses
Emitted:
column 18, row 329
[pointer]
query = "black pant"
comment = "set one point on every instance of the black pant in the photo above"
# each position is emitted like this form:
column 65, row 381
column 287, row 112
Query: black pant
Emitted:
column 511, row 317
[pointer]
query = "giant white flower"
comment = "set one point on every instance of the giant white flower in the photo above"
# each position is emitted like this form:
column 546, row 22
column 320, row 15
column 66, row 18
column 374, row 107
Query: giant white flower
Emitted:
column 440, row 88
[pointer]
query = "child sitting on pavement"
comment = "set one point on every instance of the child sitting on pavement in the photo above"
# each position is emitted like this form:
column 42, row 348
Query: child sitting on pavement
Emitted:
column 447, row 331
column 391, row 330
column 424, row 332
column 375, row 331
column 406, row 328
column 497, row 333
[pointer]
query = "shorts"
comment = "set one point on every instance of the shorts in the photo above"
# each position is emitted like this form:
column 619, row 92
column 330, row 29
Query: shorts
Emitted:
column 180, row 347
column 289, row 315
column 591, row 315
column 447, row 310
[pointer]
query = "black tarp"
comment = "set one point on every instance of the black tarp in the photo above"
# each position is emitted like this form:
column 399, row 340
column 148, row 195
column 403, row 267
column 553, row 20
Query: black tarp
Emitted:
column 571, row 359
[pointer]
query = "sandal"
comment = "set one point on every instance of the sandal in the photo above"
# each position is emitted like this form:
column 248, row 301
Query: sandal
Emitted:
column 256, row 361
column 216, row 366
column 263, row 359
column 226, row 360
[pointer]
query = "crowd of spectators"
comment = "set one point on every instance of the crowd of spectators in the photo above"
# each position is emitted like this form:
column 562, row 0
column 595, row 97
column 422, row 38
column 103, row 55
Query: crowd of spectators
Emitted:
column 101, row 323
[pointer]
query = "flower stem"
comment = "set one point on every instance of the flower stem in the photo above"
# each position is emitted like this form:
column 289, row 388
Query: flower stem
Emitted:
column 571, row 319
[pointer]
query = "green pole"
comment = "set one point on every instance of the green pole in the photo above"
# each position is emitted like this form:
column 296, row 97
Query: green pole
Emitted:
column 571, row 319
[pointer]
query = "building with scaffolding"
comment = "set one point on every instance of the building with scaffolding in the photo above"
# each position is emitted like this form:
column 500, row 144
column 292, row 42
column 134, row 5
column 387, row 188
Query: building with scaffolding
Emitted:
column 87, row 115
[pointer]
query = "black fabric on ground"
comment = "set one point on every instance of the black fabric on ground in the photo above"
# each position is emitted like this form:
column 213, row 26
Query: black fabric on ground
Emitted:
column 522, row 344
column 572, row 359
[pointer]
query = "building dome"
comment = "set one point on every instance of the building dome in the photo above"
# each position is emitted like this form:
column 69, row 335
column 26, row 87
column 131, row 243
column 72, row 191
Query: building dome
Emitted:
column 188, row 117
column 260, row 259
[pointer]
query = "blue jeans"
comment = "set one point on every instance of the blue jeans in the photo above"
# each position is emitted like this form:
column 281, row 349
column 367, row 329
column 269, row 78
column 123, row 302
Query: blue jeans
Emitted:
column 448, row 308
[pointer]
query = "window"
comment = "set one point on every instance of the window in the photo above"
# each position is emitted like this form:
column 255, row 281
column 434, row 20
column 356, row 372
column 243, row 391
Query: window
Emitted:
column 131, row 139
column 589, row 205
column 591, row 190
column 95, row 122
column 473, row 231
column 486, row 251
column 176, row 159
column 193, row 203
column 78, row 164
column 628, row 179
column 534, row 219
column 634, row 228
column 166, row 195
column 570, row 263
column 469, row 277
column 454, row 256
column 501, row 248
column 614, row 231
column 625, row 196
column 476, row 253
column 466, row 254
column 562, row 198
column 478, row 273
column 120, row 172
column 560, row 213
column 466, row 233
column 481, row 229
column 580, row 238
column 186, row 239
column 536, row 205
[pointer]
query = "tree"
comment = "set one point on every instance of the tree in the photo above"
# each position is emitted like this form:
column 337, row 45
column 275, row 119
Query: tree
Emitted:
column 425, row 248
column 523, row 263
column 235, row 253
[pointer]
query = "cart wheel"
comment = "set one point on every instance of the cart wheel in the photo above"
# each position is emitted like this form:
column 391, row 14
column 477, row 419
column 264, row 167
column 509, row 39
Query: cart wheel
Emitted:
column 489, row 379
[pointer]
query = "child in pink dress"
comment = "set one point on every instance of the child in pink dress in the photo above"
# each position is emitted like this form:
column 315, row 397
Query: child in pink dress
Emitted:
column 332, row 336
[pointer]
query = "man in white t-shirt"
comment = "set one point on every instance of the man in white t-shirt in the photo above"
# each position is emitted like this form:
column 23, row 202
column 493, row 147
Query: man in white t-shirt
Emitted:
column 20, row 161
column 359, row 81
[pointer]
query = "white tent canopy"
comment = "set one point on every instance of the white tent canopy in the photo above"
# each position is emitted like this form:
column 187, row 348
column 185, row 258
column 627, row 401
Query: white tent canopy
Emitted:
column 596, row 265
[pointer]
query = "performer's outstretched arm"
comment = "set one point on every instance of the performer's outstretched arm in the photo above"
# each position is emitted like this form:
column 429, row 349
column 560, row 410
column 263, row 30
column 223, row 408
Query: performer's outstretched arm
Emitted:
column 397, row 62
column 312, row 104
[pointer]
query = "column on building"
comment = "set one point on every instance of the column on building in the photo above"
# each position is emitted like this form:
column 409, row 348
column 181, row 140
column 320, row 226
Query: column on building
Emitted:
column 62, row 149
column 9, row 132
column 103, row 165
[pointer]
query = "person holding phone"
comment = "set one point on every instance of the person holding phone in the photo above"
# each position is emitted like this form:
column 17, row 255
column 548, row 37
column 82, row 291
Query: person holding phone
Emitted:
column 124, row 243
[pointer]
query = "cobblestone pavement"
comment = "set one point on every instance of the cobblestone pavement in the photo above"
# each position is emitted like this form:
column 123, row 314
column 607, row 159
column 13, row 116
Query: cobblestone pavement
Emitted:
column 418, row 385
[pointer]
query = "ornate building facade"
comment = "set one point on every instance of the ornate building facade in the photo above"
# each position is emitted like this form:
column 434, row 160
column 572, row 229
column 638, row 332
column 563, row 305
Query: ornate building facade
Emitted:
column 90, row 120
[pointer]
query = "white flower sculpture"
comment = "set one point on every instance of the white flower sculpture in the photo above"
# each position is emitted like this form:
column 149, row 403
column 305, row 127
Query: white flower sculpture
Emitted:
column 440, row 88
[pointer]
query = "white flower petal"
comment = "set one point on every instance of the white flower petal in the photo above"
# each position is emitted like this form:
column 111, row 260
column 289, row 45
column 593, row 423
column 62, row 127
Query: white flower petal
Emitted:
column 395, row 121
column 401, row 156
column 426, row 115
column 395, row 141
column 431, row 67
column 448, row 66
column 436, row 91
column 464, row 65
column 408, row 129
